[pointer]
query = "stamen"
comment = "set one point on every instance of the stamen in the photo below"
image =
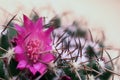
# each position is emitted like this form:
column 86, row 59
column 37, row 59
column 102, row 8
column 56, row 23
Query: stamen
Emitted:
column 32, row 49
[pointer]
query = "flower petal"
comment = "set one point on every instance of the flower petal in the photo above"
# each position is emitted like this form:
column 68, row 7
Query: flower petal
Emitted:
column 48, row 57
column 18, row 49
column 32, row 69
column 39, row 24
column 22, row 64
column 27, row 22
column 40, row 67
column 19, row 53
column 48, row 31
column 19, row 29
column 47, row 35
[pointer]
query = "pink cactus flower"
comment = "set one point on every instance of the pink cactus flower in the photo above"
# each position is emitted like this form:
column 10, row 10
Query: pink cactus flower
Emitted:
column 33, row 46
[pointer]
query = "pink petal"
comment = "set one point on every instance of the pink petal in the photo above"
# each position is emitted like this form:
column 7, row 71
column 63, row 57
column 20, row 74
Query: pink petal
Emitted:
column 22, row 64
column 27, row 22
column 48, row 57
column 39, row 24
column 19, row 54
column 47, row 36
column 19, row 57
column 48, row 31
column 43, row 69
column 19, row 29
column 18, row 49
column 40, row 67
column 48, row 47
column 32, row 69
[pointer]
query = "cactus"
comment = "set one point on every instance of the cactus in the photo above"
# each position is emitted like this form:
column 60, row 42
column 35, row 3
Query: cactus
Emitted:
column 77, row 55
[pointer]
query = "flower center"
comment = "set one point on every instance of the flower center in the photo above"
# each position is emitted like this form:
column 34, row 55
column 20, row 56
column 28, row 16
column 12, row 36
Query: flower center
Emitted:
column 32, row 50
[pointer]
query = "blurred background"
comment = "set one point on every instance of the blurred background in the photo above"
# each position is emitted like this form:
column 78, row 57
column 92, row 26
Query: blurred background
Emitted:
column 97, row 15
